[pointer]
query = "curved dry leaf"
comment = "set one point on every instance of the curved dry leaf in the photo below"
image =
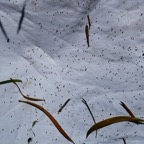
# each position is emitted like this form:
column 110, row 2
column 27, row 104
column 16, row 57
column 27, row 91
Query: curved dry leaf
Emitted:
column 60, row 129
column 26, row 97
column 114, row 120
column 10, row 81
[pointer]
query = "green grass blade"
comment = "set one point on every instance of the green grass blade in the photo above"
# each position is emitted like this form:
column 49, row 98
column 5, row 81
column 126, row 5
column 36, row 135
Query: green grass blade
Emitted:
column 10, row 81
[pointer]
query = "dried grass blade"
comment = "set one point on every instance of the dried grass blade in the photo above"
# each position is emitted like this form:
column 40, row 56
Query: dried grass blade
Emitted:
column 26, row 97
column 60, row 129
column 84, row 101
column 87, row 34
column 4, row 32
column 22, row 17
column 89, row 22
column 114, row 120
column 9, row 81
column 127, row 109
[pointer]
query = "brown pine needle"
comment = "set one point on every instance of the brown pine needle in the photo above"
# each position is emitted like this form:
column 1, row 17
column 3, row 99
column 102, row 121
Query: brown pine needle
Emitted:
column 127, row 109
column 114, row 120
column 89, row 22
column 57, row 125
column 87, row 34
column 84, row 101
column 26, row 97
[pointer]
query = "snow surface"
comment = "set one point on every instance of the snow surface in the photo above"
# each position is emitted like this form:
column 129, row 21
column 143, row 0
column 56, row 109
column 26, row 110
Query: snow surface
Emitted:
column 51, row 57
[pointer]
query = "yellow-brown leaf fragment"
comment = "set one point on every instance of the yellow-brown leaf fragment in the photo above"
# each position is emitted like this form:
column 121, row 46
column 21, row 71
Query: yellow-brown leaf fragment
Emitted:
column 57, row 125
column 87, row 34
column 114, row 120
column 26, row 97
column 127, row 109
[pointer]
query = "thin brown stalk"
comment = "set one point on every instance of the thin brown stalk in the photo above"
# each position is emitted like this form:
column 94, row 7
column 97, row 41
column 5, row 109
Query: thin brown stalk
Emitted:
column 26, row 97
column 87, row 34
column 84, row 101
column 57, row 125
column 127, row 109
column 89, row 22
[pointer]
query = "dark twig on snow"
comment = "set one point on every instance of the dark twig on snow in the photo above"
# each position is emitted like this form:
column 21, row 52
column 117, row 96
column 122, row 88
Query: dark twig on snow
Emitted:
column 61, row 108
column 4, row 32
column 84, row 101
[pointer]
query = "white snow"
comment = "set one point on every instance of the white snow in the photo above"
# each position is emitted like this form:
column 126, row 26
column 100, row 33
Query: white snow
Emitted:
column 51, row 57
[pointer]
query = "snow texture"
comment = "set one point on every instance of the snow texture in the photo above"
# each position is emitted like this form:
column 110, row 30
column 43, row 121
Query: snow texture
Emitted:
column 50, row 55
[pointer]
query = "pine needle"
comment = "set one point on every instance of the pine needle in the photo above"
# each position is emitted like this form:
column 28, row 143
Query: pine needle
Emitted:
column 87, row 34
column 57, row 125
column 61, row 108
column 127, row 109
column 84, row 101
column 26, row 97
column 89, row 22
